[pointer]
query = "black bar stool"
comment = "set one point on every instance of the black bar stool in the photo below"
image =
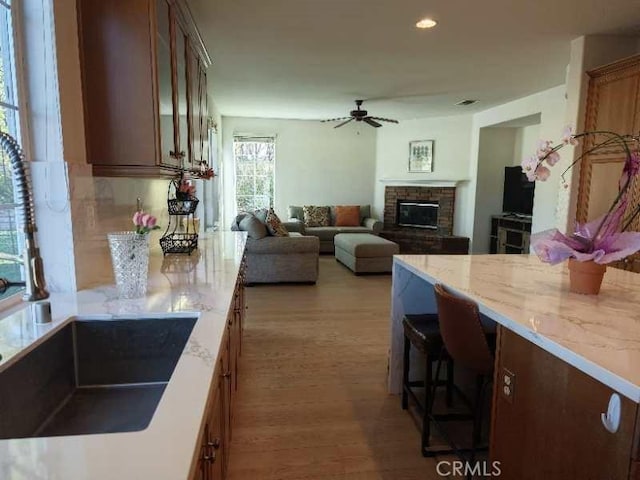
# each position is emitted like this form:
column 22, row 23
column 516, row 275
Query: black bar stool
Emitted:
column 422, row 331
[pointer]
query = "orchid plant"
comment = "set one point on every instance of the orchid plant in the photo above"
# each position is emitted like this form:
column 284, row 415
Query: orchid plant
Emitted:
column 144, row 222
column 605, row 239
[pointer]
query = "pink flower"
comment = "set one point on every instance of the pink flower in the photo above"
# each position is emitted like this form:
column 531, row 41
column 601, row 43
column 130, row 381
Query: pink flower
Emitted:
column 567, row 136
column 542, row 173
column 187, row 187
column 144, row 219
column 544, row 147
column 529, row 166
column 150, row 221
column 137, row 219
column 553, row 158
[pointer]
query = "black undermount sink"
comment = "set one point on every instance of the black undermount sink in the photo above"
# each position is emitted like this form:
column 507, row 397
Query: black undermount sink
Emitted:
column 92, row 376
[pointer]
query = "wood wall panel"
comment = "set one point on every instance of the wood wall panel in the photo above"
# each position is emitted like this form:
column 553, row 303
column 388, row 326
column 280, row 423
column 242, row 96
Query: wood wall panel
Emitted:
column 551, row 427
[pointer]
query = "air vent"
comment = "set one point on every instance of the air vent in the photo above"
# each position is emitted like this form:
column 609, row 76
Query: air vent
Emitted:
column 467, row 102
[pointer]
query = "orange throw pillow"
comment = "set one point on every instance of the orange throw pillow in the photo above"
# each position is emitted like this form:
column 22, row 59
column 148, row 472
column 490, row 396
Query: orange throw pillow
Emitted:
column 347, row 216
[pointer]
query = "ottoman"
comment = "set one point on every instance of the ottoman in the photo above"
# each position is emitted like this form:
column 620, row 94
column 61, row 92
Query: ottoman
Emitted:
column 365, row 253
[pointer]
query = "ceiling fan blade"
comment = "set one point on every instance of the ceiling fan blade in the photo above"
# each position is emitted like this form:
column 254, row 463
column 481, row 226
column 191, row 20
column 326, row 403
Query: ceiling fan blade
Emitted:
column 371, row 122
column 343, row 123
column 334, row 119
column 385, row 119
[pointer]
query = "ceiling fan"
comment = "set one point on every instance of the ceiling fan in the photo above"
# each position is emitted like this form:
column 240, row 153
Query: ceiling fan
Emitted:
column 360, row 116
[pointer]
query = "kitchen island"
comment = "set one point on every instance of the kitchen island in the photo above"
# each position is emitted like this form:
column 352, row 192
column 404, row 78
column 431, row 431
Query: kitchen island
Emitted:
column 566, row 356
column 196, row 403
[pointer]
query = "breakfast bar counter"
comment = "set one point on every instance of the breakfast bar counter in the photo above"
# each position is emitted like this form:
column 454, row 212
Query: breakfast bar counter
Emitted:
column 573, row 361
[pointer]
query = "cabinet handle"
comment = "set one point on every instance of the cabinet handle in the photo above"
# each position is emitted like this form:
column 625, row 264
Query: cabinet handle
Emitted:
column 210, row 458
column 215, row 443
column 226, row 375
column 611, row 419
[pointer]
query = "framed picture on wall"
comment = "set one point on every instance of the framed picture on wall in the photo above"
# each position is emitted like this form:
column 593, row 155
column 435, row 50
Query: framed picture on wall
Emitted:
column 421, row 156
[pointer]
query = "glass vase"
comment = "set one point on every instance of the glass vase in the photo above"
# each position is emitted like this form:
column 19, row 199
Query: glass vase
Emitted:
column 130, row 259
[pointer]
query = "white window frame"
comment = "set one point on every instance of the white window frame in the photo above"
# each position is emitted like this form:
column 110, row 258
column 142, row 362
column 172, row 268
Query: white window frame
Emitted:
column 20, row 107
column 253, row 138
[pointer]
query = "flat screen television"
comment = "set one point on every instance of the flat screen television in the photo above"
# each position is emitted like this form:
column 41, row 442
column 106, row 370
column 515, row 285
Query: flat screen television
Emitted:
column 518, row 192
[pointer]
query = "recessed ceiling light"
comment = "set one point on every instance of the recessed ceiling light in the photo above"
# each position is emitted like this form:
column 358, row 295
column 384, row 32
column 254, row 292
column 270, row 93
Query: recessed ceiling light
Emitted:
column 464, row 103
column 426, row 23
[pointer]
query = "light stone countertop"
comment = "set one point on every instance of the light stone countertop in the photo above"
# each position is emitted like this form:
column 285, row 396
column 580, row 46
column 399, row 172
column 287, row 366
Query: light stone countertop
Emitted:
column 178, row 286
column 599, row 334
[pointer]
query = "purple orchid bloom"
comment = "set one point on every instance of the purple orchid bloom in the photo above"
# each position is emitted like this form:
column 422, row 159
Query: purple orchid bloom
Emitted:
column 602, row 240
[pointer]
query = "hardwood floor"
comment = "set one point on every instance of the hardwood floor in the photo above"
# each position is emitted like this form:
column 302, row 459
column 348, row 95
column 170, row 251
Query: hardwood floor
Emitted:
column 312, row 400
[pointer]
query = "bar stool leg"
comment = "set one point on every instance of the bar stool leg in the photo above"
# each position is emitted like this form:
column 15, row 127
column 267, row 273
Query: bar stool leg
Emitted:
column 477, row 415
column 449, row 397
column 428, row 402
column 405, row 373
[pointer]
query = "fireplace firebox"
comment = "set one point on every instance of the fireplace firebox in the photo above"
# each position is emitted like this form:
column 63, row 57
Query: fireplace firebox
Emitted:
column 419, row 214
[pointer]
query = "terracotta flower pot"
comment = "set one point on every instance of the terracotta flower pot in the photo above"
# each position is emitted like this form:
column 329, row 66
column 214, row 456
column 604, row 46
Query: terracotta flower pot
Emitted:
column 585, row 277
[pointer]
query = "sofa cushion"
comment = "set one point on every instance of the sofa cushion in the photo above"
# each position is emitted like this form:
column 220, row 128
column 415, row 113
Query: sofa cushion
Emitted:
column 347, row 216
column 315, row 216
column 294, row 243
column 323, row 233
column 274, row 225
column 261, row 214
column 255, row 228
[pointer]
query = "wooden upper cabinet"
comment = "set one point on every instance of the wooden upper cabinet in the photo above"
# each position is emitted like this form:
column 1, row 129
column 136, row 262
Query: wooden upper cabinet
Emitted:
column 134, row 58
column 613, row 104
column 165, row 69
column 204, row 116
column 195, row 147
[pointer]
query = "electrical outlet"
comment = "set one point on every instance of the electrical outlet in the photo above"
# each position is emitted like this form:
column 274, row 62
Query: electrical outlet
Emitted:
column 508, row 385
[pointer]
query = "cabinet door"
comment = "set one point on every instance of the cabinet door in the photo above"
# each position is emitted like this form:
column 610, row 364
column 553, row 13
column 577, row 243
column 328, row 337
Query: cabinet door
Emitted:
column 180, row 93
column 118, row 69
column 613, row 104
column 226, row 401
column 217, row 461
column 547, row 422
column 204, row 116
column 165, row 83
column 195, row 152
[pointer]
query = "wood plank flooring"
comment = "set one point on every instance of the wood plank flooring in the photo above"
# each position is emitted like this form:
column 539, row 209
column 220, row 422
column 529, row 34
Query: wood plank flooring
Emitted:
column 312, row 400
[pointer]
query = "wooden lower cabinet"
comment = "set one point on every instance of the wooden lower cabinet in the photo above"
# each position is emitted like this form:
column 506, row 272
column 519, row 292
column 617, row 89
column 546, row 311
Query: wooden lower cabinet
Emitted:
column 547, row 421
column 215, row 440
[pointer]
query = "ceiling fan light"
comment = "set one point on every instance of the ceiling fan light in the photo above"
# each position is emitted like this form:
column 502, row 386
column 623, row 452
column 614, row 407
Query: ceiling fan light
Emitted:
column 426, row 23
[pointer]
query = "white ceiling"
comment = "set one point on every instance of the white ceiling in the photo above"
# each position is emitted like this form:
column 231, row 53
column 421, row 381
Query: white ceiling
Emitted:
column 310, row 59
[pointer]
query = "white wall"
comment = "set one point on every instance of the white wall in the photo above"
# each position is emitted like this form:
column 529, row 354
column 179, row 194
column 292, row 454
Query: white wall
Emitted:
column 452, row 137
column 495, row 151
column 550, row 104
column 526, row 142
column 315, row 163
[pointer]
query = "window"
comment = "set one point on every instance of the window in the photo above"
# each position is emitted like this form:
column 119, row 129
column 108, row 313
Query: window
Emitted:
column 254, row 164
column 10, row 244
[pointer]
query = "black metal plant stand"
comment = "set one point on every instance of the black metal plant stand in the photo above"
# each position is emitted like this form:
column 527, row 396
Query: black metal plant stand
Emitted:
column 181, row 235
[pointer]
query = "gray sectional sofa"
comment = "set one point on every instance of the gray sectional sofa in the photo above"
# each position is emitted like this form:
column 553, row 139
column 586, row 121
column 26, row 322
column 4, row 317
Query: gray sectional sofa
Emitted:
column 273, row 259
column 326, row 234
